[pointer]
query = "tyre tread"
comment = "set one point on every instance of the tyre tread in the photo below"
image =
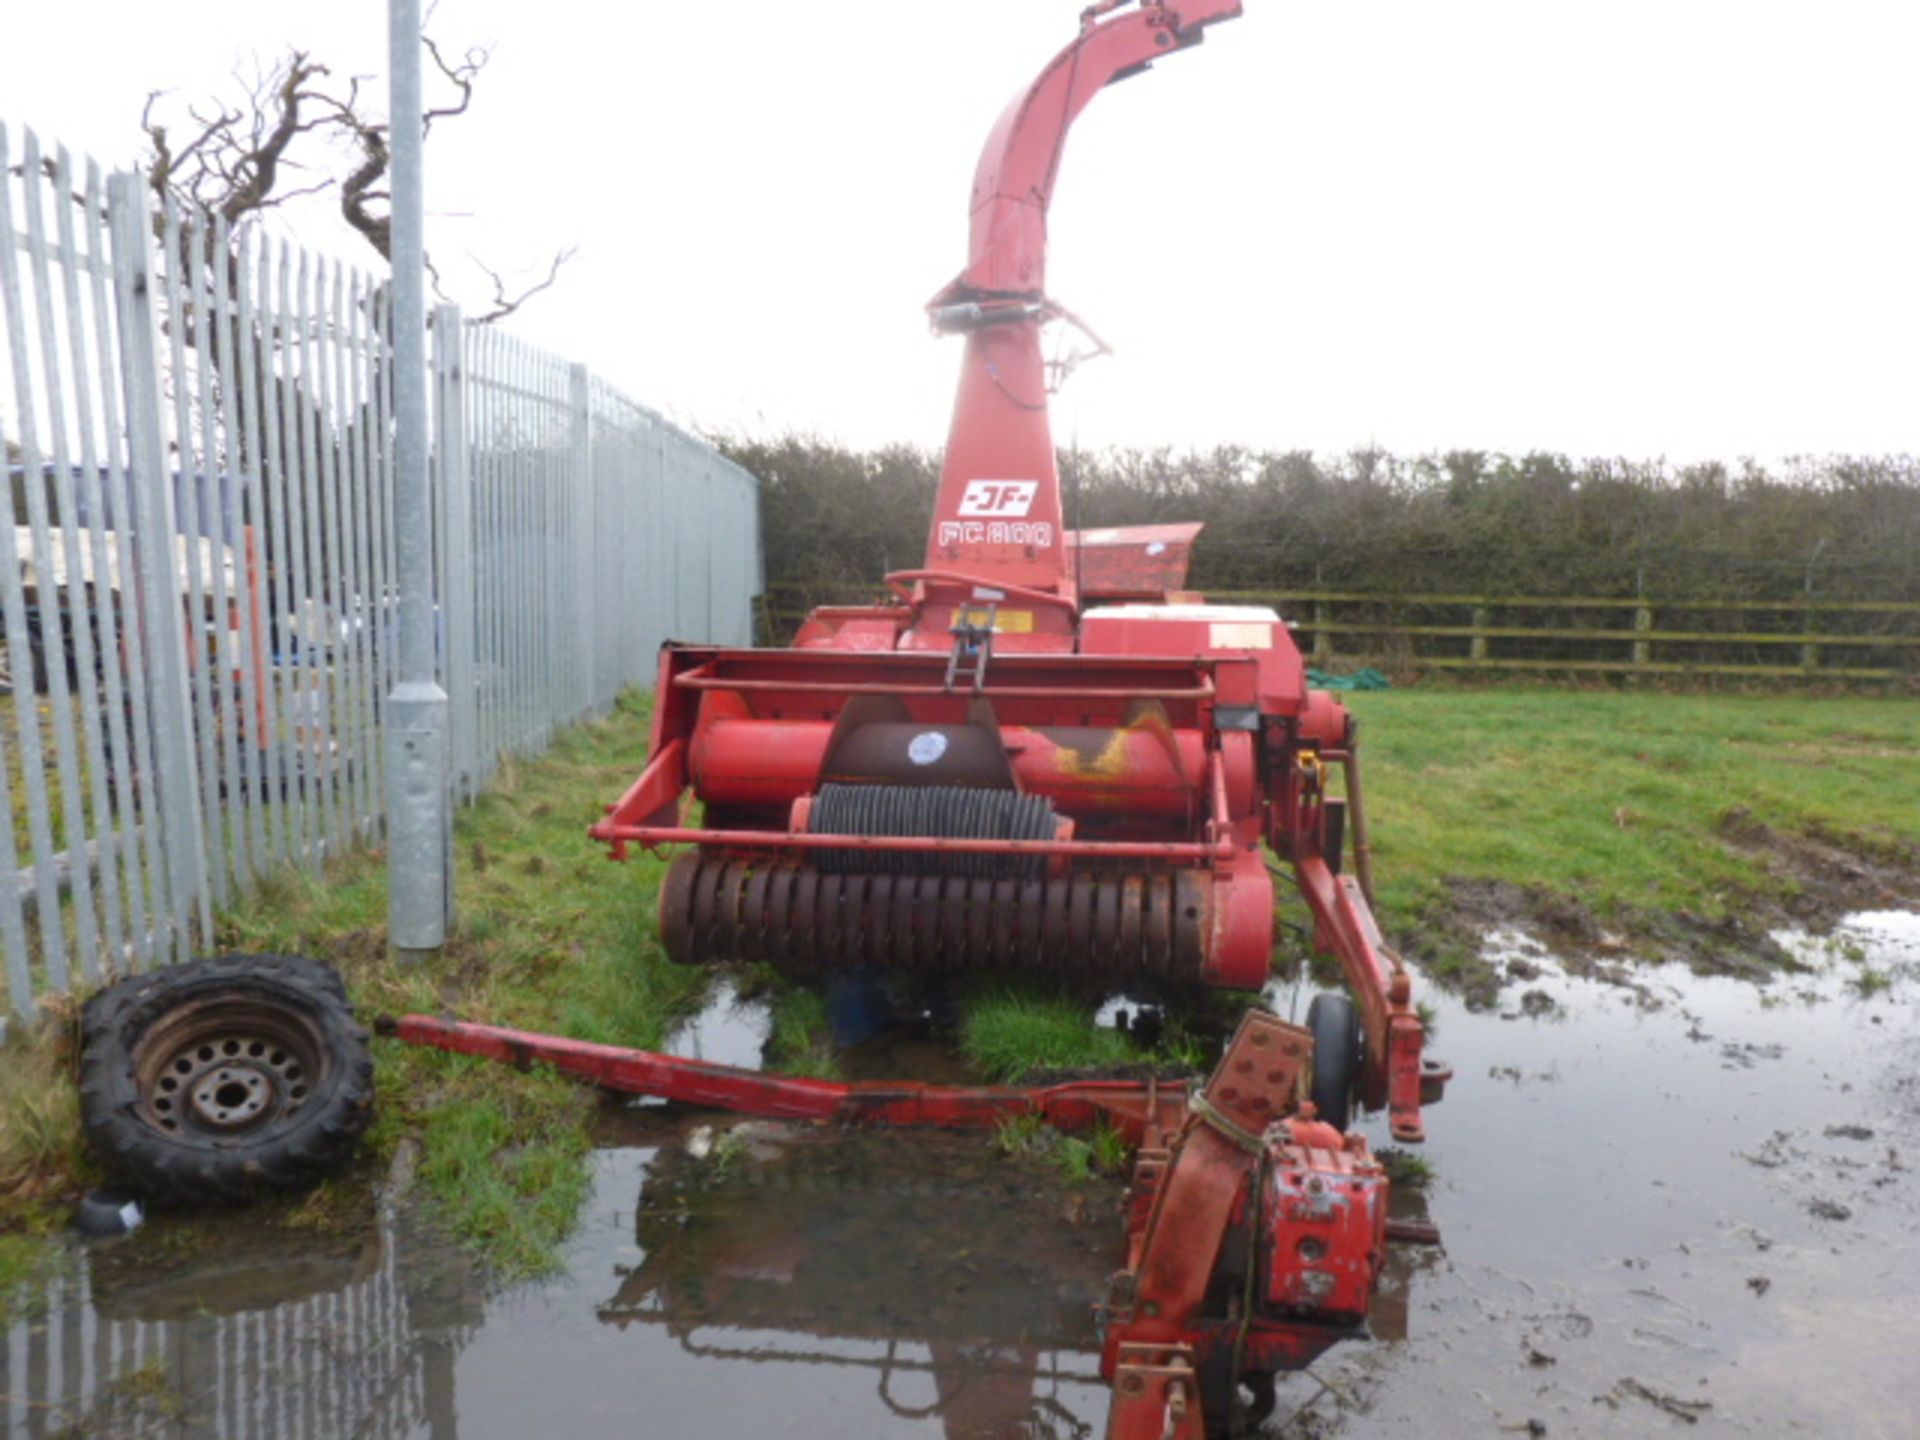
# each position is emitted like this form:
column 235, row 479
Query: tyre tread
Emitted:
column 284, row 1157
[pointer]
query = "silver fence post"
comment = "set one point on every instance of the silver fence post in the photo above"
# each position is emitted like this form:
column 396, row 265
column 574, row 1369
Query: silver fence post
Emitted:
column 581, row 522
column 154, row 542
column 456, row 491
column 419, row 881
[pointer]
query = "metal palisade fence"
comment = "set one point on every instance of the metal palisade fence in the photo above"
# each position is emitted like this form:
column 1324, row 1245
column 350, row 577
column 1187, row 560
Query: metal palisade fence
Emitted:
column 198, row 604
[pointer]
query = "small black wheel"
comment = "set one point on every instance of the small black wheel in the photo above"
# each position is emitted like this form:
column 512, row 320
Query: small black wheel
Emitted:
column 222, row 1079
column 1335, row 1024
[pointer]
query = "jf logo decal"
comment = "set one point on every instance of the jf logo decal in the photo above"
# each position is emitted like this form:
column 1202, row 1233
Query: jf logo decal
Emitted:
column 999, row 499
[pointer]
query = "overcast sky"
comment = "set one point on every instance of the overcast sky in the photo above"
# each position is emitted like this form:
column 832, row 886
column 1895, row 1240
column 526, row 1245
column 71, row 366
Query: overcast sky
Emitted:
column 1646, row 227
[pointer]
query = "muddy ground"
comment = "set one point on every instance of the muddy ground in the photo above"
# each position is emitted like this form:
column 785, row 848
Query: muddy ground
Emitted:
column 1815, row 882
column 1675, row 1198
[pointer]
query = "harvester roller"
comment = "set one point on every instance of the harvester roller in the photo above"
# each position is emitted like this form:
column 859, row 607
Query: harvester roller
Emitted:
column 951, row 812
column 1111, row 924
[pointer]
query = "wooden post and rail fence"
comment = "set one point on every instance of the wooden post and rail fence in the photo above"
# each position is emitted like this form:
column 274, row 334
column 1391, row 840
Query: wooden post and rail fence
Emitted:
column 1789, row 639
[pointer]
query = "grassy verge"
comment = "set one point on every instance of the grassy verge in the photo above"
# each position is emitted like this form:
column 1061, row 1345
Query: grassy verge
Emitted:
column 1011, row 1031
column 551, row 936
column 43, row 1160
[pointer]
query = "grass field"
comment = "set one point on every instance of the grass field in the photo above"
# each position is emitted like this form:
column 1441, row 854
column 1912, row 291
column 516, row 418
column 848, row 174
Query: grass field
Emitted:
column 1628, row 806
column 1621, row 798
column 1635, row 808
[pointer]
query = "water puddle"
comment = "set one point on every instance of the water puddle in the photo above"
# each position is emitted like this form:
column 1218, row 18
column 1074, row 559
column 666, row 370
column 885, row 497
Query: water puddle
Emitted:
column 1670, row 1202
column 727, row 1031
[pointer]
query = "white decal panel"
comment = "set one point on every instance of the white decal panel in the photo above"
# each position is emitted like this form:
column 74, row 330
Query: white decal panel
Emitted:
column 1003, row 499
column 1239, row 635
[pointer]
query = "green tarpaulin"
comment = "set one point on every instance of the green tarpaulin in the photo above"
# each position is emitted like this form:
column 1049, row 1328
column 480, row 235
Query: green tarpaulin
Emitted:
column 1367, row 678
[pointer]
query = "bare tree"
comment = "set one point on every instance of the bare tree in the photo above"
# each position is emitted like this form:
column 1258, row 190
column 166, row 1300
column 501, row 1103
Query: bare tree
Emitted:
column 296, row 130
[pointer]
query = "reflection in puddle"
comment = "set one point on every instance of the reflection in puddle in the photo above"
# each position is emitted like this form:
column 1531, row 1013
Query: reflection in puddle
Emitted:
column 727, row 1031
column 241, row 1329
column 1638, row 1184
column 906, row 1256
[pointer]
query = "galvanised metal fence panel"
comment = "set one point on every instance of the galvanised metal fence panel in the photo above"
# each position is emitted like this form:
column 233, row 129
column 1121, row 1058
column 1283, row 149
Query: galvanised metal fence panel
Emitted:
column 197, row 581
column 520, row 465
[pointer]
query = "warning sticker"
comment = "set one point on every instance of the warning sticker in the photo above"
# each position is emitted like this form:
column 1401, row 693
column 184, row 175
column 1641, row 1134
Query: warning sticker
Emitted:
column 926, row 747
column 1005, row 622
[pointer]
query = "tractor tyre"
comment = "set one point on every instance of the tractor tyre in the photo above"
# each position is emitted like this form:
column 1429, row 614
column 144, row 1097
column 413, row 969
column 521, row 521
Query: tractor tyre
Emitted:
column 1337, row 1042
column 219, row 1080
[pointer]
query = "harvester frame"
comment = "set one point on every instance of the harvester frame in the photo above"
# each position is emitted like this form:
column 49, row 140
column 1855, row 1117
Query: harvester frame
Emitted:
column 1040, row 752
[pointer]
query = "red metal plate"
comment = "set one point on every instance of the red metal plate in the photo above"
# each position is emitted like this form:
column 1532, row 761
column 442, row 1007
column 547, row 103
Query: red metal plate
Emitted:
column 706, row 898
column 1132, row 892
column 1158, row 922
column 906, row 925
column 832, row 902
column 953, row 924
column 877, row 920
column 803, row 939
column 1080, row 947
column 779, row 917
column 726, row 912
column 1190, row 902
column 753, row 914
column 1106, row 925
column 676, row 908
column 1025, row 953
column 1006, row 922
column 1054, row 943
column 980, row 925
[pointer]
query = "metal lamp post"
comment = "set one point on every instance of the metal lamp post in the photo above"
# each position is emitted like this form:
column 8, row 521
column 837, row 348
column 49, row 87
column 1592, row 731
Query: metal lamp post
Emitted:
column 418, row 802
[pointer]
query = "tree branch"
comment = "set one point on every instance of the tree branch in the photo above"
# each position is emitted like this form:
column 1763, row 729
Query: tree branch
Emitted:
column 462, row 77
column 504, row 304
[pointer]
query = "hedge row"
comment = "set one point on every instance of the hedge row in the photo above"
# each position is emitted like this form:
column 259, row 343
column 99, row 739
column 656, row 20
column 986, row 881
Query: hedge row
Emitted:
column 836, row 519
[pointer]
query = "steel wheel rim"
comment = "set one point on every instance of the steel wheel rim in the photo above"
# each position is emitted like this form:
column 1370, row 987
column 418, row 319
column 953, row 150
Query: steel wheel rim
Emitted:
column 225, row 1068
